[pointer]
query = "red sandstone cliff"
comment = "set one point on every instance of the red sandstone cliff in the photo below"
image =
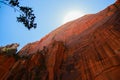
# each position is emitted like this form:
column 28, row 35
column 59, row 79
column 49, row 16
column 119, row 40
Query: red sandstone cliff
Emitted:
column 85, row 49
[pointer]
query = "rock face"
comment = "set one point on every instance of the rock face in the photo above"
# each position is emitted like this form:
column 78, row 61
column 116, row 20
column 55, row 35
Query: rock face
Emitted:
column 85, row 49
column 7, row 59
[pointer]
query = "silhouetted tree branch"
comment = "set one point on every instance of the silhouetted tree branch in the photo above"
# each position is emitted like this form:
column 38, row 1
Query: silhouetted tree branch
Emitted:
column 26, row 16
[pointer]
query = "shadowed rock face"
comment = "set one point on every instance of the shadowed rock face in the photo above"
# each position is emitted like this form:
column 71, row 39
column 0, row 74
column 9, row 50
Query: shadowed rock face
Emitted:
column 85, row 49
column 7, row 59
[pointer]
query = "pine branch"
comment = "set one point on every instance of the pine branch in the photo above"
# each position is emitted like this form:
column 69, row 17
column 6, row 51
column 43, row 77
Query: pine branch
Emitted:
column 26, row 13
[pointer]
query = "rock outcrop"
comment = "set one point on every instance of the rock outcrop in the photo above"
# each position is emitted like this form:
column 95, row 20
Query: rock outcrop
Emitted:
column 8, row 57
column 85, row 49
column 10, row 49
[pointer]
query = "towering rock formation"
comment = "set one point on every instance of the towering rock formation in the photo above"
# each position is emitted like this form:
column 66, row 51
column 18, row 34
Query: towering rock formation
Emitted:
column 85, row 49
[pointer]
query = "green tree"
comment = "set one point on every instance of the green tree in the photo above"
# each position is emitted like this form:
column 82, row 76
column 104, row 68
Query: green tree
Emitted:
column 26, row 15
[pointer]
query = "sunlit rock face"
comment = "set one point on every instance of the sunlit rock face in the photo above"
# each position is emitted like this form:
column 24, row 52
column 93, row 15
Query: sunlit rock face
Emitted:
column 117, row 1
column 85, row 49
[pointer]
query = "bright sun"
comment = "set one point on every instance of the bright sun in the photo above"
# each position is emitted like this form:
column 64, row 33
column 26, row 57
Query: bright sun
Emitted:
column 72, row 16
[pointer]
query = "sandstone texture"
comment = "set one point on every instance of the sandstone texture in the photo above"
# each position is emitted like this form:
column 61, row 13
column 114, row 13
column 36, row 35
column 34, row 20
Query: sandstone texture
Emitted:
column 84, row 49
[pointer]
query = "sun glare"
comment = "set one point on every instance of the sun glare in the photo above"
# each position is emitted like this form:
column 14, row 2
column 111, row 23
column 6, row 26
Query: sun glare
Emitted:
column 72, row 16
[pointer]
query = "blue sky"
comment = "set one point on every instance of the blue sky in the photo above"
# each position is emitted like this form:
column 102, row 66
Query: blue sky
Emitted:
column 50, row 15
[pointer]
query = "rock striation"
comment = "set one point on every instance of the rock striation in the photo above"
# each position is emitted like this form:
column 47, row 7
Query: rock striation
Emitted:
column 84, row 49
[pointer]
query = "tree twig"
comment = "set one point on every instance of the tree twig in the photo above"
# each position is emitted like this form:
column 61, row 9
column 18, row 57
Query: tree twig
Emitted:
column 11, row 6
